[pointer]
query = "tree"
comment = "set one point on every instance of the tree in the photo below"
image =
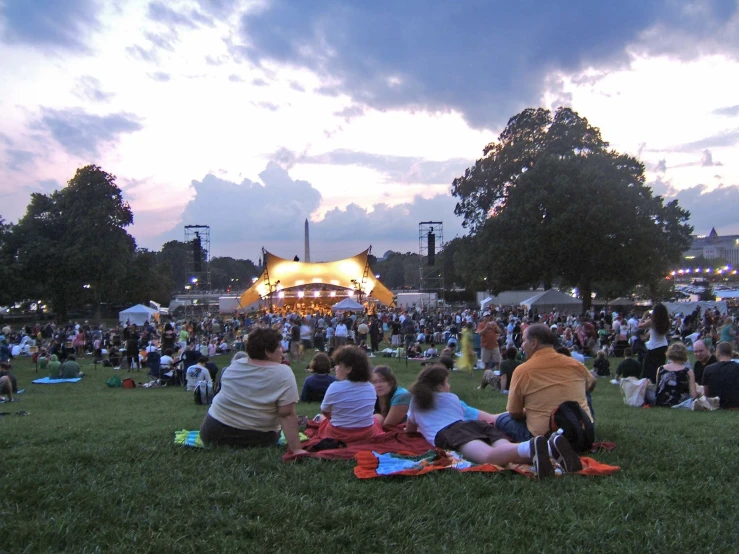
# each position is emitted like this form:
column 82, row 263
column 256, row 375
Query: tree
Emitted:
column 582, row 219
column 548, row 202
column 484, row 187
column 72, row 245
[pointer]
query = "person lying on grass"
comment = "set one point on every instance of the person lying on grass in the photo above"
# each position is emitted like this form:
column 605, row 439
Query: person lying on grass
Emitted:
column 393, row 401
column 256, row 400
column 438, row 415
column 348, row 407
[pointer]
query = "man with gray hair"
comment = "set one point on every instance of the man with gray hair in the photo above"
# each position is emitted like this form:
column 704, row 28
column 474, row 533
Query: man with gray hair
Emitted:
column 544, row 381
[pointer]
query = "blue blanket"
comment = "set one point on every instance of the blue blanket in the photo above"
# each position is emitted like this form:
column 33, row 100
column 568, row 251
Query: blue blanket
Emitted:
column 50, row 381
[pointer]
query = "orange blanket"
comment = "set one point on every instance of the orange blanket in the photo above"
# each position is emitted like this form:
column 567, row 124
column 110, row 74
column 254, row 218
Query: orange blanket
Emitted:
column 374, row 464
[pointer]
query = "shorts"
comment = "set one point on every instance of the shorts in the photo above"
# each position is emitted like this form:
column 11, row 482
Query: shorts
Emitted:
column 214, row 432
column 489, row 354
column 460, row 433
column 491, row 378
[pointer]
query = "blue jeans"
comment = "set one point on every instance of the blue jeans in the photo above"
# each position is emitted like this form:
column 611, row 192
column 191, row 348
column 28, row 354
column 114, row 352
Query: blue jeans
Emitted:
column 514, row 428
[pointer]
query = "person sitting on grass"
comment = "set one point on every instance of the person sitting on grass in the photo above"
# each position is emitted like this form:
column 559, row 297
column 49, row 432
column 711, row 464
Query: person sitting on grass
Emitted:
column 392, row 402
column 432, row 352
column 348, row 407
column 438, row 415
column 446, row 357
column 196, row 373
column 602, row 366
column 6, row 387
column 675, row 380
column 507, row 366
column 257, row 398
column 53, row 366
column 70, row 369
column 315, row 386
column 722, row 378
column 629, row 367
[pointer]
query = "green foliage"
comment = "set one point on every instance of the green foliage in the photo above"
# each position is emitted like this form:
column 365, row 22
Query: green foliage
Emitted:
column 564, row 209
column 75, row 237
column 228, row 272
column 95, row 469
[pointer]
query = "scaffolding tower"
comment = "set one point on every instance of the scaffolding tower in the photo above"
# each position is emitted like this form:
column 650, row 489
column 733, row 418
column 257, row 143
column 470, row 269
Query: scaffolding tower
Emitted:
column 197, row 239
column 431, row 268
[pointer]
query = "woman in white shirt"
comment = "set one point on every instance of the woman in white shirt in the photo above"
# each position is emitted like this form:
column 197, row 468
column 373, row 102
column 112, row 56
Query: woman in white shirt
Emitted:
column 347, row 410
column 341, row 333
column 658, row 323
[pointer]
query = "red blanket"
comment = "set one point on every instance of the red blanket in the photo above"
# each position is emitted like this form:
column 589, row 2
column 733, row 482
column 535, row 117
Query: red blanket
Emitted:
column 360, row 440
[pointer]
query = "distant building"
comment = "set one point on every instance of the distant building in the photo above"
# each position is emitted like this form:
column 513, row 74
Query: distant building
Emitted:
column 713, row 246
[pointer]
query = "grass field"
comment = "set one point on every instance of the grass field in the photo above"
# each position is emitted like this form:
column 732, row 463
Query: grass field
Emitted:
column 94, row 469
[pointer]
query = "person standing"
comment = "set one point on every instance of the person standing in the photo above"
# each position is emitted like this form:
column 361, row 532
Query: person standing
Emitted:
column 658, row 324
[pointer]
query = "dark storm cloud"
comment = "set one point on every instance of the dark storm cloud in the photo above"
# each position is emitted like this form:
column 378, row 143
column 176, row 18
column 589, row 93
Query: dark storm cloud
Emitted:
column 83, row 134
column 486, row 60
column 49, row 24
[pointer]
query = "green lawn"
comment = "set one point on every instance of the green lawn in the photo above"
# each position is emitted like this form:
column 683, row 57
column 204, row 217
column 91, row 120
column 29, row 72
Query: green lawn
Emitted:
column 93, row 469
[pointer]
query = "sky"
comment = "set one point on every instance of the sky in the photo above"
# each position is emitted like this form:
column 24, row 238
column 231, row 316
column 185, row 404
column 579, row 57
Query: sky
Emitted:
column 251, row 116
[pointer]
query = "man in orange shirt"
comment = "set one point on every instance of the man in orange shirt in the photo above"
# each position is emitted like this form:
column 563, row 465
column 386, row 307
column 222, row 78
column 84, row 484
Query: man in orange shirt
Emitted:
column 541, row 384
column 489, row 347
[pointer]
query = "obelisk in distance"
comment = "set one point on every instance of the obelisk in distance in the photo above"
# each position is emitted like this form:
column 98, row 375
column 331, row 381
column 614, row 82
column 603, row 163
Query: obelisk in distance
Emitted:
column 306, row 258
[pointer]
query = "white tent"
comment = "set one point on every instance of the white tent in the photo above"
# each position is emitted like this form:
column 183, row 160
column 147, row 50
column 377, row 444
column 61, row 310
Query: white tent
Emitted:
column 553, row 300
column 347, row 305
column 508, row 298
column 686, row 308
column 138, row 314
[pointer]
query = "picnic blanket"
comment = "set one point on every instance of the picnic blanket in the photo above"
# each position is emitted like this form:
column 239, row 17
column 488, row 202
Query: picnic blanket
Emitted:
column 374, row 464
column 396, row 440
column 192, row 438
column 50, row 381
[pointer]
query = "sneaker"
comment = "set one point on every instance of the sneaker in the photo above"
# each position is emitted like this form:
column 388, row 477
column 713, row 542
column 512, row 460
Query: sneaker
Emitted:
column 540, row 454
column 562, row 452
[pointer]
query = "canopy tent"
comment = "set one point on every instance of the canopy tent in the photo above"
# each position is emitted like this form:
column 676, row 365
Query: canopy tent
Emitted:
column 553, row 300
column 347, row 305
column 686, row 308
column 508, row 298
column 349, row 274
column 138, row 314
column 621, row 302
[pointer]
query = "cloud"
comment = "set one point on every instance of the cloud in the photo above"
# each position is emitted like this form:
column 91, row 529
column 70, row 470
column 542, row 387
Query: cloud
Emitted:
column 271, row 106
column 350, row 112
column 161, row 13
column 707, row 159
column 730, row 111
column 274, row 209
column 218, row 8
column 89, row 88
column 82, row 134
column 44, row 186
column 248, row 215
column 49, row 24
column 142, row 54
column 719, row 140
column 165, row 42
column 661, row 166
column 259, row 82
column 19, row 159
column 235, row 78
column 398, row 169
column 160, row 76
column 485, row 61
column 708, row 208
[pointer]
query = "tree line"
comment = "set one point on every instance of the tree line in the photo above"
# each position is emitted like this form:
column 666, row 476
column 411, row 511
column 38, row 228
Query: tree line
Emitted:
column 71, row 252
column 548, row 204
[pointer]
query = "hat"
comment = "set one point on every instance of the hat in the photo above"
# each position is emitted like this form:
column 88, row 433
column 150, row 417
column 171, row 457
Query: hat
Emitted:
column 486, row 314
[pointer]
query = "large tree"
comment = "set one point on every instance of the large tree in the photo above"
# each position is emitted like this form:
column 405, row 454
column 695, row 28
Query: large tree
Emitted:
column 551, row 204
column 72, row 244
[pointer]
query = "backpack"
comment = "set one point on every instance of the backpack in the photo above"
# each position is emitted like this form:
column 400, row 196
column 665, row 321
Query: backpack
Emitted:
column 575, row 424
column 204, row 393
